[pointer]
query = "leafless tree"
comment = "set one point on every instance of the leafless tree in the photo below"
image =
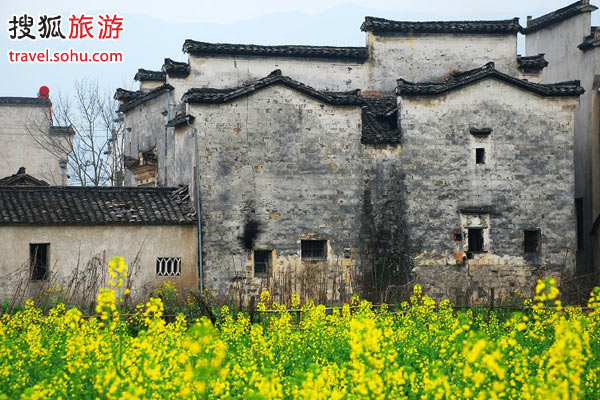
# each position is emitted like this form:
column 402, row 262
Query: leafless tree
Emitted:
column 95, row 149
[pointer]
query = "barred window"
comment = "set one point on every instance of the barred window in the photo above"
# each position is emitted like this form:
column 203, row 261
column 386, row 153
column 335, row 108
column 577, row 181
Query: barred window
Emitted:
column 314, row 250
column 168, row 266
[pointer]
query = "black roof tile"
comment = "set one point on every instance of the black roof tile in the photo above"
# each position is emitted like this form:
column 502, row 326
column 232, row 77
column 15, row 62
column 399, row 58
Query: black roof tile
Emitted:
column 134, row 99
column 558, row 16
column 68, row 205
column 460, row 79
column 176, row 69
column 591, row 41
column 348, row 53
column 34, row 101
column 532, row 63
column 22, row 178
column 147, row 75
column 180, row 120
column 507, row 26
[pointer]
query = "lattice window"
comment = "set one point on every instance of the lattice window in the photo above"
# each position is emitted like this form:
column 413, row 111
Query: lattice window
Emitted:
column 168, row 266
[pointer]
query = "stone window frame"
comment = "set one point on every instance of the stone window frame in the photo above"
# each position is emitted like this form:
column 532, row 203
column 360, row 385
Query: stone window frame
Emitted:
column 472, row 220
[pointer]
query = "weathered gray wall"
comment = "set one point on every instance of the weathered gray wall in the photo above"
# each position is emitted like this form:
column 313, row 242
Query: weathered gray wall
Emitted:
column 527, row 182
column 423, row 57
column 288, row 162
column 567, row 62
column 145, row 128
column 22, row 130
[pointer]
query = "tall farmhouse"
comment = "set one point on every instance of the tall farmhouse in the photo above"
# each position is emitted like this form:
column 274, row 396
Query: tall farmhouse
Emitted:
column 432, row 153
column 25, row 132
column 570, row 45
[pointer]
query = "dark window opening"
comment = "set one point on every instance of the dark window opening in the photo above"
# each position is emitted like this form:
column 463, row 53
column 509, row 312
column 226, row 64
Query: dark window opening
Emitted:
column 480, row 156
column 579, row 211
column 314, row 250
column 531, row 241
column 38, row 256
column 475, row 239
column 262, row 261
column 457, row 237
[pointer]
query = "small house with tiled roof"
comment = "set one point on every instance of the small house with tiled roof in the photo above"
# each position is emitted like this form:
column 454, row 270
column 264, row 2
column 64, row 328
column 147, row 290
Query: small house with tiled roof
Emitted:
column 65, row 235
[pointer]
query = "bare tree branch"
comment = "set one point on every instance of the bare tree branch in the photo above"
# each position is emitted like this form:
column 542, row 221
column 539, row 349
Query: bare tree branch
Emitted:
column 95, row 150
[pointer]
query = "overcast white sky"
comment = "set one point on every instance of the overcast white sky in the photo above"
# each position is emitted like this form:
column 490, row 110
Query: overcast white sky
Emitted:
column 155, row 29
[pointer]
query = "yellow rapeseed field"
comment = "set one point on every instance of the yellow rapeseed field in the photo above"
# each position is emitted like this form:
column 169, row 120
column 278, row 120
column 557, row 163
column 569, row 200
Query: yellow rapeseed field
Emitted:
column 423, row 351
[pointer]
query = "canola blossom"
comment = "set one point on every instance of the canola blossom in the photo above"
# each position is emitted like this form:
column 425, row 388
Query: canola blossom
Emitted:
column 423, row 351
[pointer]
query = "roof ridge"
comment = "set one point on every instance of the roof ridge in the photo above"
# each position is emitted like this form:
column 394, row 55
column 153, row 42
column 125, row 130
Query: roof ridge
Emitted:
column 336, row 52
column 505, row 26
column 460, row 79
column 214, row 95
column 132, row 100
column 24, row 100
column 557, row 16
column 149, row 75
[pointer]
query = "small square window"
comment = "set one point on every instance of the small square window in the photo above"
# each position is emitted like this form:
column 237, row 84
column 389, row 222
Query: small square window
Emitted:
column 38, row 261
column 475, row 238
column 480, row 156
column 531, row 241
column 262, row 262
column 314, row 250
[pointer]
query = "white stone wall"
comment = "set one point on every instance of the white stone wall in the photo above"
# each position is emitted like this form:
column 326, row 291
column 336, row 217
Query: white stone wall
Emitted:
column 567, row 62
column 72, row 248
column 20, row 126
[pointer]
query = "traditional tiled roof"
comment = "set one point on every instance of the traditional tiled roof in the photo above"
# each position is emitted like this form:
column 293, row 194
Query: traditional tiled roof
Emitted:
column 137, row 98
column 591, row 41
column 176, row 69
column 22, row 178
column 531, row 64
column 507, row 26
column 30, row 101
column 377, row 109
column 68, row 205
column 460, row 79
column 147, row 75
column 349, row 53
column 559, row 15
column 180, row 120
